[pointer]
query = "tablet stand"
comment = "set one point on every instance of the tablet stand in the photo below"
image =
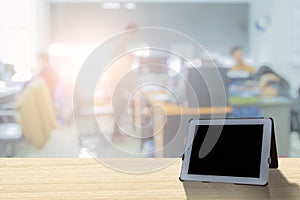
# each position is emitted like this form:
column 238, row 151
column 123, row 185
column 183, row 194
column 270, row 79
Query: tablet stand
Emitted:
column 273, row 150
column 273, row 162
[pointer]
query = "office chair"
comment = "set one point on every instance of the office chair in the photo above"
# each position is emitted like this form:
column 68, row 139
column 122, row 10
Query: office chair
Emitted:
column 295, row 114
column 10, row 132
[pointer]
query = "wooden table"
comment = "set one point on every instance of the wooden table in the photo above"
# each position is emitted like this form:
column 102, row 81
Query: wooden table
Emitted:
column 88, row 179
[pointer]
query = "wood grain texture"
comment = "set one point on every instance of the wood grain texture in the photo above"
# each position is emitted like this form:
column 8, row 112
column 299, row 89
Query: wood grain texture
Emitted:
column 89, row 179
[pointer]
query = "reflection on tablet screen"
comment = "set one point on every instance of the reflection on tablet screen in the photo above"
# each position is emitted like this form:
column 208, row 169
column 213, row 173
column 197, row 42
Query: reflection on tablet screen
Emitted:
column 236, row 153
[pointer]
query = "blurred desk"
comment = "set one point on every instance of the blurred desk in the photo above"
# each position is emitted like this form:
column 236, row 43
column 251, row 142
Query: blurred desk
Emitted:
column 279, row 108
column 171, row 121
column 58, row 178
column 8, row 93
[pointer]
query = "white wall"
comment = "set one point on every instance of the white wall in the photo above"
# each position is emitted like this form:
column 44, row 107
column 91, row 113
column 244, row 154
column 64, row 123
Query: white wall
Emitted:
column 218, row 27
column 24, row 27
column 274, row 45
column 17, row 28
column 42, row 22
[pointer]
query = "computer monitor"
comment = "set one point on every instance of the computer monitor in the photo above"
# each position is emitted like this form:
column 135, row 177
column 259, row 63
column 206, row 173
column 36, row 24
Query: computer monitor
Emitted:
column 201, row 80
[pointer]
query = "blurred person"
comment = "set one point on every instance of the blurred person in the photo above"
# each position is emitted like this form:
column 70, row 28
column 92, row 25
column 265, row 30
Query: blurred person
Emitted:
column 243, row 111
column 237, row 54
column 272, row 84
column 120, row 90
column 63, row 100
column 47, row 72
column 60, row 89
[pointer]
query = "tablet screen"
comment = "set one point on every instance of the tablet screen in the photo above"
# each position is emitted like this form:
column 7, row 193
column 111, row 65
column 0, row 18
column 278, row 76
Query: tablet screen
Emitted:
column 236, row 153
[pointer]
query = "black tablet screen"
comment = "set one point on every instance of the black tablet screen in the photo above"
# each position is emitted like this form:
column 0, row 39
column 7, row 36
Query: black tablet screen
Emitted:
column 237, row 152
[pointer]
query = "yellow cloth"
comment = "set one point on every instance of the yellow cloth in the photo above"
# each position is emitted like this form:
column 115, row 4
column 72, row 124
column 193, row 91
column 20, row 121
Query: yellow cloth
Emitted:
column 244, row 67
column 36, row 113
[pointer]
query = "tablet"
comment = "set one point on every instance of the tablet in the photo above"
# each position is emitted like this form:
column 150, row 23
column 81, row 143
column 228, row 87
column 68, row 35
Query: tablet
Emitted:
column 228, row 150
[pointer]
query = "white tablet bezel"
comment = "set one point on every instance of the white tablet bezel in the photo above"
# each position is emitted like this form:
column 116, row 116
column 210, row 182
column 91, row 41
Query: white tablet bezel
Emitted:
column 265, row 153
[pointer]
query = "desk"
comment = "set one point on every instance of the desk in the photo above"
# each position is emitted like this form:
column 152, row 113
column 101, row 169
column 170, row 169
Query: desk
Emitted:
column 88, row 179
column 171, row 124
column 8, row 93
column 280, row 109
column 171, row 121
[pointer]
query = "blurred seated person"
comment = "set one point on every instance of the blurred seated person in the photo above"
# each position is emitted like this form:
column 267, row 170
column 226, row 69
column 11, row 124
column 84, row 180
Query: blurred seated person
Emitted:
column 272, row 84
column 120, row 80
column 237, row 54
column 243, row 111
column 47, row 72
column 60, row 89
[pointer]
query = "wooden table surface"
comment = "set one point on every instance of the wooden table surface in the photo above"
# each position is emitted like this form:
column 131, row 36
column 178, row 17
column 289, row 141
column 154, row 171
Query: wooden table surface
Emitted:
column 88, row 179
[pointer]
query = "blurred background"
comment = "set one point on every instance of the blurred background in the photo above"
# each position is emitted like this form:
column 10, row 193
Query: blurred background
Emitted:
column 254, row 44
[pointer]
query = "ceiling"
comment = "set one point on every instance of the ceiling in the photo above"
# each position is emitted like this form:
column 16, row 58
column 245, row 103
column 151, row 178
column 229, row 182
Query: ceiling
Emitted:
column 151, row 1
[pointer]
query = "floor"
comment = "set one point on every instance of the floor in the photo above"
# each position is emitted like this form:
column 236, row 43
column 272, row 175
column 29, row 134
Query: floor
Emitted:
column 65, row 143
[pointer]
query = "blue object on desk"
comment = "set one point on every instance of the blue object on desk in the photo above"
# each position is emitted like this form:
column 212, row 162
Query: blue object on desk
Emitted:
column 247, row 111
column 149, row 149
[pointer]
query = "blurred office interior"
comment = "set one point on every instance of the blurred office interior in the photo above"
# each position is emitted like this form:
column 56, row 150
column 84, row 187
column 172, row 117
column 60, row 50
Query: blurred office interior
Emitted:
column 248, row 62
